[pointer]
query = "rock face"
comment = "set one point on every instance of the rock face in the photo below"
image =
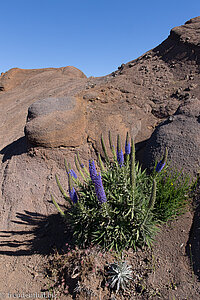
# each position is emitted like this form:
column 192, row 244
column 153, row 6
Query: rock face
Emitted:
column 54, row 122
column 181, row 135
column 16, row 76
column 183, row 44
column 188, row 33
column 182, row 138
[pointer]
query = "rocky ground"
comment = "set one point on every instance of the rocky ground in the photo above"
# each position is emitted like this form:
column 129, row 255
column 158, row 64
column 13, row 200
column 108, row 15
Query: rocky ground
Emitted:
column 155, row 98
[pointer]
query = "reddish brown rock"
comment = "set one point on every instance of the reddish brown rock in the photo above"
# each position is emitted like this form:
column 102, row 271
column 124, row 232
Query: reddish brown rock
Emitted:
column 189, row 32
column 16, row 76
column 30, row 86
column 54, row 122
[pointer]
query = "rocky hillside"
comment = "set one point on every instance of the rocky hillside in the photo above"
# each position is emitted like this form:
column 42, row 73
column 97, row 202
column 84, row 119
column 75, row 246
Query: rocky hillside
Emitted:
column 155, row 98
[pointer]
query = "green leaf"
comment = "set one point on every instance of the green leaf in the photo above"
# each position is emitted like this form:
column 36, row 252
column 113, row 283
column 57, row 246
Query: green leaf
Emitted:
column 57, row 206
column 60, row 187
column 104, row 149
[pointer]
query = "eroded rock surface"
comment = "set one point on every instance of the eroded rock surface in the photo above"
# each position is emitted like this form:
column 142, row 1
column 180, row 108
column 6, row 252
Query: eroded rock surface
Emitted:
column 14, row 77
column 31, row 86
column 54, row 122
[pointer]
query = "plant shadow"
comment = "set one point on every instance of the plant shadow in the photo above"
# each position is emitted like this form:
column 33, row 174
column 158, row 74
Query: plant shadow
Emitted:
column 193, row 245
column 46, row 234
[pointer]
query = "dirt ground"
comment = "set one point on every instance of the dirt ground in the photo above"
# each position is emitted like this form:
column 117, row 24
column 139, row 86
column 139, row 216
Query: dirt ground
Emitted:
column 165, row 272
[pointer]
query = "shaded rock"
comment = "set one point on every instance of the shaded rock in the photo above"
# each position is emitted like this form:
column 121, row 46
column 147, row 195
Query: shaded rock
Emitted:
column 182, row 138
column 183, row 44
column 189, row 32
column 190, row 108
column 54, row 122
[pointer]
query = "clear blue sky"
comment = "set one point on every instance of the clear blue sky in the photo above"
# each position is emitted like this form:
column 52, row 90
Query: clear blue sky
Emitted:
column 95, row 36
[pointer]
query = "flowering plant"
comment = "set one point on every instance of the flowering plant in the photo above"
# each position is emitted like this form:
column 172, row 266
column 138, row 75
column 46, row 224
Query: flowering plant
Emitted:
column 116, row 208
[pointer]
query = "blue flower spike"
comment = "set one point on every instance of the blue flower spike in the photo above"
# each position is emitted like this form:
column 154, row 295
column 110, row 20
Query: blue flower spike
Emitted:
column 101, row 196
column 120, row 155
column 73, row 195
column 72, row 191
column 127, row 148
column 163, row 161
column 127, row 145
column 96, row 179
column 92, row 170
column 72, row 173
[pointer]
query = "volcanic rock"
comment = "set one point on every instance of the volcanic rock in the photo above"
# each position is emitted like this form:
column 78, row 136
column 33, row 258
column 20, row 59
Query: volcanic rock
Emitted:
column 56, row 122
column 16, row 76
column 182, row 138
column 27, row 87
column 181, row 135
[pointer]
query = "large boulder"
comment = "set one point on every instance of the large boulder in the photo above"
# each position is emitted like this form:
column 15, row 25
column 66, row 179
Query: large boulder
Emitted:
column 181, row 135
column 54, row 122
column 21, row 88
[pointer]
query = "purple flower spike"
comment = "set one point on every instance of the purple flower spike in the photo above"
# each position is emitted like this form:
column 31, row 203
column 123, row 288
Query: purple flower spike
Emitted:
column 120, row 158
column 73, row 195
column 96, row 179
column 128, row 148
column 160, row 166
column 93, row 171
column 72, row 173
column 162, row 163
column 101, row 196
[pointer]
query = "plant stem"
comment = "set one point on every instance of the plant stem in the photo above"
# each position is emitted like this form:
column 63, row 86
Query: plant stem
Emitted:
column 104, row 149
column 132, row 175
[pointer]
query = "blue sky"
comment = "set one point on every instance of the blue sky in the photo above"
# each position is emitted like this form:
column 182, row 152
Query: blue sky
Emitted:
column 95, row 36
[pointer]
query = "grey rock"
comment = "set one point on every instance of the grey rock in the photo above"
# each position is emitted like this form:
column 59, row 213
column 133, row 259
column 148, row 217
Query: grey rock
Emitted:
column 182, row 138
column 190, row 108
column 49, row 105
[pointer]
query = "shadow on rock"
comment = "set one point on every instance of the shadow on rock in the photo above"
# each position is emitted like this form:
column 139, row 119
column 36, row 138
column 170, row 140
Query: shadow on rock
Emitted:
column 46, row 234
column 193, row 245
column 18, row 147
